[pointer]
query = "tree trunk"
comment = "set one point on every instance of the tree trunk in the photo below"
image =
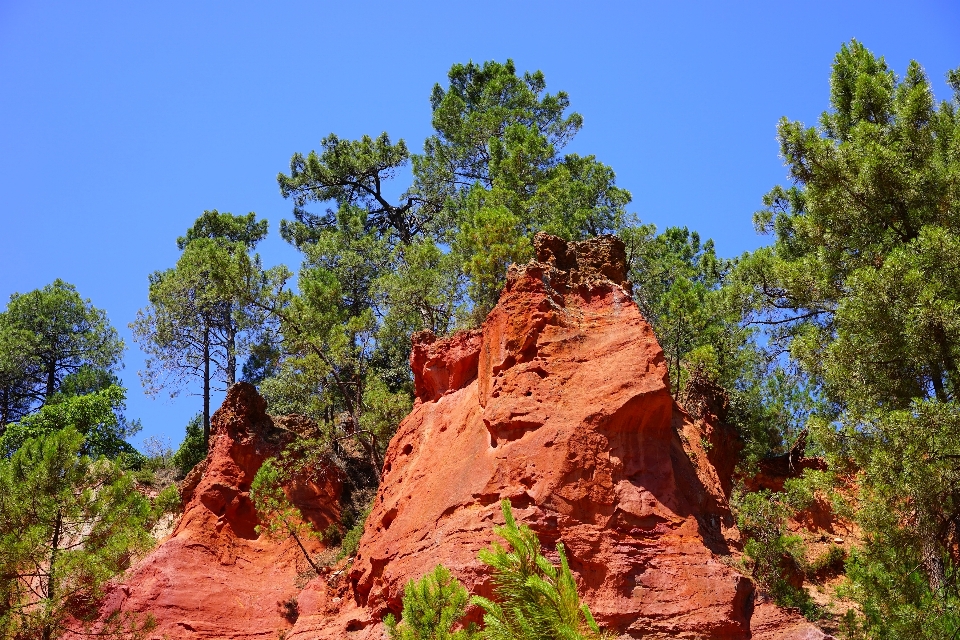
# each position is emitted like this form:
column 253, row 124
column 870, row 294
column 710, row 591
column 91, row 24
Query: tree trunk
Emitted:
column 206, row 386
column 231, row 347
column 4, row 410
column 51, row 380
column 933, row 564
column 676, row 371
column 938, row 389
column 51, row 580
column 293, row 532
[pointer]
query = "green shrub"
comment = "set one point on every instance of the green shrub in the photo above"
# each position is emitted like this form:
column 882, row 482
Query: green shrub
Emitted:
column 431, row 608
column 351, row 539
column 193, row 449
column 333, row 535
column 533, row 598
column 537, row 600
column 167, row 501
column 145, row 476
column 831, row 560
column 776, row 555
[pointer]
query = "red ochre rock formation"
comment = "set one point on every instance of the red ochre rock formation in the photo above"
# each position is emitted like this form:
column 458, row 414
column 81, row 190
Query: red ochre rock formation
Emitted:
column 560, row 403
column 214, row 577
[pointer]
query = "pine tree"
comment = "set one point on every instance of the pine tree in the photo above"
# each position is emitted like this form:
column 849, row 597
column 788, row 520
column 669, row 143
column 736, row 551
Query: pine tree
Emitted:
column 432, row 607
column 204, row 313
column 279, row 518
column 46, row 335
column 67, row 525
column 861, row 288
column 535, row 599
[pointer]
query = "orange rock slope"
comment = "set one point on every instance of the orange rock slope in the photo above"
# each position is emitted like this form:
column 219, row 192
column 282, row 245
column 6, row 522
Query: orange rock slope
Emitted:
column 560, row 403
column 215, row 577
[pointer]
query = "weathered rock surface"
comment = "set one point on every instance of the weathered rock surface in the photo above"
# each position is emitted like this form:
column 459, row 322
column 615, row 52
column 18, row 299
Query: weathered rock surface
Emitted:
column 215, row 577
column 770, row 622
column 559, row 403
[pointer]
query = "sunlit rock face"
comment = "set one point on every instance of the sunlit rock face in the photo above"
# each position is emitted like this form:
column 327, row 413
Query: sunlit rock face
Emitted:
column 215, row 577
column 560, row 403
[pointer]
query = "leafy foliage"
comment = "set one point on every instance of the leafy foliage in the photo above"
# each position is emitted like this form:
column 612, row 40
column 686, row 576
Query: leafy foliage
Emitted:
column 167, row 501
column 378, row 269
column 693, row 300
column 777, row 556
column 193, row 450
column 860, row 288
column 351, row 539
column 17, row 370
column 204, row 313
column 67, row 525
column 97, row 416
column 676, row 282
column 339, row 352
column 535, row 598
column 46, row 335
column 278, row 516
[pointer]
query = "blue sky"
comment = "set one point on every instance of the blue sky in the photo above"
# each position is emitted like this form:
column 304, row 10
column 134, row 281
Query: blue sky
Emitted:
column 120, row 122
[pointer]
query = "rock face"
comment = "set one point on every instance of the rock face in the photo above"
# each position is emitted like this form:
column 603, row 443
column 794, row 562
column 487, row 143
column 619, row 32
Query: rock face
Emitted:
column 560, row 403
column 770, row 622
column 215, row 577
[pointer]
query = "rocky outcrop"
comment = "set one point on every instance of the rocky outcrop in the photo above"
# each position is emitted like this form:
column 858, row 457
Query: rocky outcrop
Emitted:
column 215, row 577
column 770, row 622
column 560, row 403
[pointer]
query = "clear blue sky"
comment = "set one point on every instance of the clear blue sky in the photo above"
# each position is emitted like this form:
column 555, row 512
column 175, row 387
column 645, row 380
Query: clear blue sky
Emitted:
column 120, row 122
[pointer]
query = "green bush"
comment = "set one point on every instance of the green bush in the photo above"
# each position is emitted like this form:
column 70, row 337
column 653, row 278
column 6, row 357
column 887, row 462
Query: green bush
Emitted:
column 145, row 476
column 775, row 554
column 333, row 535
column 69, row 524
column 431, row 608
column 193, row 449
column 533, row 598
column 351, row 539
column 167, row 501
column 831, row 560
column 537, row 600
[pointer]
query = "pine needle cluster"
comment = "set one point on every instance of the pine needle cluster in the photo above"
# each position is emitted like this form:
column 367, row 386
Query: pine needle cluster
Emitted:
column 537, row 600
column 431, row 608
column 533, row 598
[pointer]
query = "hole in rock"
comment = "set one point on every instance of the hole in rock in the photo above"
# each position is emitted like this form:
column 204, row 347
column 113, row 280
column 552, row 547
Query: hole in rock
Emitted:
column 388, row 518
column 407, row 449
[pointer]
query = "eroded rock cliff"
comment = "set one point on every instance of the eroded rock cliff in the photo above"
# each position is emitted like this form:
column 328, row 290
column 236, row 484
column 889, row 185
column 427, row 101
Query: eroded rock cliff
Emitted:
column 560, row 403
column 215, row 577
